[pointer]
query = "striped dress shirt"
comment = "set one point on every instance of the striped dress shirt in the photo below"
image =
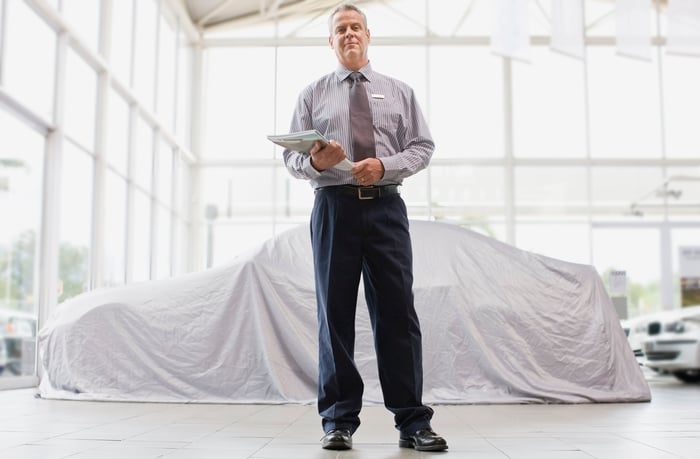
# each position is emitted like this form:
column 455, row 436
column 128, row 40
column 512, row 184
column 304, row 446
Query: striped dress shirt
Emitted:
column 401, row 135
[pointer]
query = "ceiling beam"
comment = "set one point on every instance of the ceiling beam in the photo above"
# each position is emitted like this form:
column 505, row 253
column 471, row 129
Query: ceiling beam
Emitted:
column 202, row 22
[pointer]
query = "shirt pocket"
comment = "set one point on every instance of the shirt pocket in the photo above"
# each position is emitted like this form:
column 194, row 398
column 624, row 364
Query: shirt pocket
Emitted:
column 388, row 119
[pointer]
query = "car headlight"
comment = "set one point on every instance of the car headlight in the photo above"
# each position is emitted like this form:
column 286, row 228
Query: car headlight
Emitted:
column 677, row 326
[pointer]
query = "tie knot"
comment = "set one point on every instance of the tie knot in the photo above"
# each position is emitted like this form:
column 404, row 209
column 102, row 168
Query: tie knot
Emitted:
column 356, row 76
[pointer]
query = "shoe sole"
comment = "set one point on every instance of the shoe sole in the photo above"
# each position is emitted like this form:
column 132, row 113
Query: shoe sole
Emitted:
column 412, row 445
column 339, row 446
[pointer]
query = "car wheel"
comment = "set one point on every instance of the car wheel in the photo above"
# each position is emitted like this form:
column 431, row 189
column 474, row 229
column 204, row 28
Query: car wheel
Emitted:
column 688, row 376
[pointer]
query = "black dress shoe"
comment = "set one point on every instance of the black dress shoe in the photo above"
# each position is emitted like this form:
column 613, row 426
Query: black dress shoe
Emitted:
column 424, row 440
column 337, row 439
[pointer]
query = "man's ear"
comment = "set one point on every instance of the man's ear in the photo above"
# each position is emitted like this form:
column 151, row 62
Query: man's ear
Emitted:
column 330, row 41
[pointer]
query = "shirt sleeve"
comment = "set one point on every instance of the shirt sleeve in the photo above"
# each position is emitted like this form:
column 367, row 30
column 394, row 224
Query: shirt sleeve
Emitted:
column 299, row 164
column 416, row 145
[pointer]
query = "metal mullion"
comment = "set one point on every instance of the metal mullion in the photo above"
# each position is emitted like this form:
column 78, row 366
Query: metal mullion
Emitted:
column 273, row 170
column 98, row 186
column 176, row 83
column 174, row 217
column 196, row 113
column 46, row 270
column 36, row 121
column 509, row 164
column 587, row 139
column 3, row 28
column 666, row 268
column 19, row 382
column 131, row 98
column 130, row 196
column 153, row 218
column 132, row 54
column 156, row 62
column 100, row 170
column 428, row 114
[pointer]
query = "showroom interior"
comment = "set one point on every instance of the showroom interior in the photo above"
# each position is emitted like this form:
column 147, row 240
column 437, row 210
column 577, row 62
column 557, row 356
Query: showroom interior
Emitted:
column 134, row 152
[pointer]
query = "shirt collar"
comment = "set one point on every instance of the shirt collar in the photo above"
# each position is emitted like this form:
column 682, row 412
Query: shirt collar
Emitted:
column 342, row 73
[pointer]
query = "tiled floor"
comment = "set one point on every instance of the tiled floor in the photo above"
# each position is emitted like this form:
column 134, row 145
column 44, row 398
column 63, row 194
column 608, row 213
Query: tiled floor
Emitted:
column 667, row 427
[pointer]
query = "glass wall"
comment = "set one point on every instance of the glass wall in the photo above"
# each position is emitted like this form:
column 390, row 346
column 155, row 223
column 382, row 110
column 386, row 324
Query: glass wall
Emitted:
column 95, row 162
column 25, row 112
column 561, row 156
column 21, row 173
column 592, row 161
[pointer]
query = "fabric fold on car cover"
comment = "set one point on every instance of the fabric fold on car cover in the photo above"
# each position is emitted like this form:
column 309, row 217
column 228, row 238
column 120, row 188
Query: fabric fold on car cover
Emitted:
column 500, row 325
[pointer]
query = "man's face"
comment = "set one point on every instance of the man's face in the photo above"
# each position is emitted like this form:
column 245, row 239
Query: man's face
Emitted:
column 349, row 38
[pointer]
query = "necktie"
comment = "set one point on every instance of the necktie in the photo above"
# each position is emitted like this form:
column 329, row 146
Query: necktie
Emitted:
column 360, row 120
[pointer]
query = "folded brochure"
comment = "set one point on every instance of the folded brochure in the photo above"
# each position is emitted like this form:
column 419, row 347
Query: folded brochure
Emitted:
column 302, row 141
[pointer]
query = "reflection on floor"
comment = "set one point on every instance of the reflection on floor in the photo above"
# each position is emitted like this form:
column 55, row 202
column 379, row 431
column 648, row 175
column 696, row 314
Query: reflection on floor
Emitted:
column 667, row 427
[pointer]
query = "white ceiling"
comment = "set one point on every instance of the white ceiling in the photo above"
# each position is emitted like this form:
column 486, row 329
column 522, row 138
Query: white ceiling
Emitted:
column 207, row 14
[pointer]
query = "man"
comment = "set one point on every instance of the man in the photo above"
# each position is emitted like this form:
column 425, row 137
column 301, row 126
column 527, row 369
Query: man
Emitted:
column 359, row 226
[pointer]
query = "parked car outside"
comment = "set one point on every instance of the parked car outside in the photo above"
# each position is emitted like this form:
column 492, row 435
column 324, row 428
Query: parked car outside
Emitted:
column 672, row 343
column 16, row 327
column 3, row 356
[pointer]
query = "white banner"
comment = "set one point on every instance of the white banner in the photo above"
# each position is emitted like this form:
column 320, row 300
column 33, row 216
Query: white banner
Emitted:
column 568, row 28
column 689, row 261
column 510, row 36
column 617, row 283
column 632, row 18
column 683, row 27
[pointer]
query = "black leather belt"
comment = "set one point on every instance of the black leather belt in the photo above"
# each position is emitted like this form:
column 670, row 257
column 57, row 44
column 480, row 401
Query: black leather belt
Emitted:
column 361, row 192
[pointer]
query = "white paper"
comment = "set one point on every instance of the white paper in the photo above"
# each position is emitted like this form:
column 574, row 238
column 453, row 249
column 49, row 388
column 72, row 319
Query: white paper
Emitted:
column 303, row 141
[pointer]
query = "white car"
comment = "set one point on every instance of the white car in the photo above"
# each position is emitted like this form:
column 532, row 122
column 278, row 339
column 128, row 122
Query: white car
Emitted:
column 636, row 332
column 673, row 343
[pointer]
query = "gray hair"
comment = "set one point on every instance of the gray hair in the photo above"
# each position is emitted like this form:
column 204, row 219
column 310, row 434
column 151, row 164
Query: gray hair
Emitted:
column 345, row 7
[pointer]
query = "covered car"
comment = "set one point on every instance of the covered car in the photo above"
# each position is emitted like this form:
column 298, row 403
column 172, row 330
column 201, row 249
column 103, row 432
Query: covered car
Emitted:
column 500, row 325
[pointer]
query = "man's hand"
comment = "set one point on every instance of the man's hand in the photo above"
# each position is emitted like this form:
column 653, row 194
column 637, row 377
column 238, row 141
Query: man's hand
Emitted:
column 368, row 171
column 323, row 158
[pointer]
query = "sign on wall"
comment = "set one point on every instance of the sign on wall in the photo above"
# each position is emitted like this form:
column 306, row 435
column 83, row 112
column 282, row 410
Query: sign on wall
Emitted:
column 689, row 271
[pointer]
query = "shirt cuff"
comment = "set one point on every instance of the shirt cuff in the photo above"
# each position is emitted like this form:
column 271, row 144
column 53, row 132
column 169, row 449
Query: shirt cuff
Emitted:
column 391, row 172
column 309, row 170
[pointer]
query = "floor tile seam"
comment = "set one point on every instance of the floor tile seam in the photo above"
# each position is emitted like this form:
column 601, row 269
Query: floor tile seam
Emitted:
column 614, row 437
column 262, row 408
column 121, row 442
column 97, row 449
column 262, row 447
column 565, row 444
column 130, row 437
column 300, row 416
column 640, row 442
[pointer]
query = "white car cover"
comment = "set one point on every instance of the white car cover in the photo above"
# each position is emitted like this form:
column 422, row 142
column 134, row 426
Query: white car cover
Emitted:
column 500, row 325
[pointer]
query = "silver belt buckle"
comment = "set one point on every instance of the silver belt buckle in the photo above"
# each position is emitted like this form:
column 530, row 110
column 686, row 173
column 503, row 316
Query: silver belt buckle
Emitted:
column 362, row 196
